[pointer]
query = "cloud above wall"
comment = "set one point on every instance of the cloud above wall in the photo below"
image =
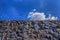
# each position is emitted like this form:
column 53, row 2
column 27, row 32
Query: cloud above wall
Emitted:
column 40, row 16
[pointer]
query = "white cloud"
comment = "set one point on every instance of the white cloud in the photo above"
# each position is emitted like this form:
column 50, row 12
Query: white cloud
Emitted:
column 40, row 16
column 52, row 17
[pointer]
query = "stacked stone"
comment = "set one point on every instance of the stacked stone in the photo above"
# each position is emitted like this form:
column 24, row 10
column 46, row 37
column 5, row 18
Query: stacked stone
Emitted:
column 30, row 30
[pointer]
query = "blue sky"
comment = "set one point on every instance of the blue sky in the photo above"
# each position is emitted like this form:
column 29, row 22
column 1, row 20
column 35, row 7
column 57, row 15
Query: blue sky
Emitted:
column 19, row 9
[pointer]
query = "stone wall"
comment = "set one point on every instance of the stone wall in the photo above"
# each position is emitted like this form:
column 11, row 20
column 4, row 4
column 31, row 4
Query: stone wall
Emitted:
column 29, row 30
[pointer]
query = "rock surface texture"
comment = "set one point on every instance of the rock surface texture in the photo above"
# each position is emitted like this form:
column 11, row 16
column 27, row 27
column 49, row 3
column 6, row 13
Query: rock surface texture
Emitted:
column 30, row 30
